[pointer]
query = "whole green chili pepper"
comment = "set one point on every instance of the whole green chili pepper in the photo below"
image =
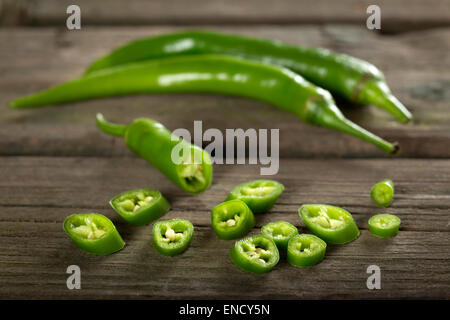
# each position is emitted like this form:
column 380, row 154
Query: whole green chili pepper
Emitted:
column 257, row 254
column 332, row 224
column 382, row 193
column 93, row 233
column 259, row 195
column 211, row 74
column 384, row 225
column 232, row 219
column 352, row 78
column 172, row 237
column 280, row 232
column 141, row 206
column 153, row 142
column 305, row 250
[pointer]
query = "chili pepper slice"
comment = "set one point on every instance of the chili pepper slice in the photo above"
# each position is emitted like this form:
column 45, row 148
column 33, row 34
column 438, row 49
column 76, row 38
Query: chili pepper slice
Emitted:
column 93, row 233
column 382, row 193
column 172, row 237
column 257, row 254
column 280, row 232
column 232, row 219
column 211, row 74
column 352, row 78
column 141, row 206
column 384, row 225
column 151, row 141
column 332, row 224
column 305, row 250
column 259, row 195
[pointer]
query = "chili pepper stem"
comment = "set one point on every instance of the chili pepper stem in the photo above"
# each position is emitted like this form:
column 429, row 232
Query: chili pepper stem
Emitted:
column 109, row 127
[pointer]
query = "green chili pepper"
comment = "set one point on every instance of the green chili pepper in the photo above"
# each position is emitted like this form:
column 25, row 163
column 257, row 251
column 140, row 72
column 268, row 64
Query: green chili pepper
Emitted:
column 384, row 225
column 211, row 74
column 330, row 223
column 172, row 237
column 232, row 219
column 257, row 254
column 305, row 250
column 352, row 78
column 259, row 195
column 93, row 233
column 140, row 207
column 382, row 193
column 280, row 232
column 153, row 142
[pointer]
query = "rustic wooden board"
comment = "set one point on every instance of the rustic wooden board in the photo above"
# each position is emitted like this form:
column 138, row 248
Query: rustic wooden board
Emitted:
column 35, row 59
column 37, row 193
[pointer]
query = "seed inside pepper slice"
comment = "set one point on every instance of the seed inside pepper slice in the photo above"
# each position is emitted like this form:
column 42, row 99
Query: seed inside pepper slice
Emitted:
column 257, row 254
column 384, row 225
column 305, row 250
column 141, row 206
column 382, row 193
column 330, row 223
column 259, row 195
column 280, row 232
column 93, row 233
column 232, row 219
column 172, row 237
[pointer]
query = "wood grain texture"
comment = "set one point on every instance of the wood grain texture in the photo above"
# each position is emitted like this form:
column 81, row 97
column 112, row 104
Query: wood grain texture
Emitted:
column 415, row 70
column 37, row 193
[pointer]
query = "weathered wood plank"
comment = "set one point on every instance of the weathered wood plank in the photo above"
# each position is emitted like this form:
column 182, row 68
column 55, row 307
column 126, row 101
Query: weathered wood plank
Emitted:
column 413, row 66
column 396, row 15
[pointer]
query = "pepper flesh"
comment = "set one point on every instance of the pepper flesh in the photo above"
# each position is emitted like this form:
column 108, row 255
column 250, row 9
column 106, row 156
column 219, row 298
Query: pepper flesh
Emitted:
column 280, row 232
column 232, row 219
column 305, row 250
column 259, row 195
column 93, row 233
column 172, row 237
column 211, row 74
column 257, row 254
column 384, row 225
column 349, row 77
column 332, row 224
column 141, row 206
column 382, row 193
column 151, row 141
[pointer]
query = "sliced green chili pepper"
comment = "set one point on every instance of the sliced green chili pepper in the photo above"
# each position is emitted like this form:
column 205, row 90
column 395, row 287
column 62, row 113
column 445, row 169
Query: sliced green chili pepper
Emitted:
column 257, row 254
column 384, row 225
column 280, row 232
column 330, row 223
column 140, row 207
column 259, row 195
column 211, row 74
column 93, row 233
column 172, row 237
column 232, row 219
column 305, row 250
column 352, row 78
column 153, row 142
column 382, row 193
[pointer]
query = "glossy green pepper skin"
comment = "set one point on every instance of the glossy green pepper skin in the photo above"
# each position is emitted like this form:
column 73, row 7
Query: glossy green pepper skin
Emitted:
column 280, row 232
column 141, row 206
column 211, row 74
column 384, row 225
column 259, row 195
column 172, row 237
column 151, row 141
column 257, row 254
column 93, row 233
column 349, row 77
column 332, row 224
column 305, row 250
column 382, row 193
column 232, row 219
